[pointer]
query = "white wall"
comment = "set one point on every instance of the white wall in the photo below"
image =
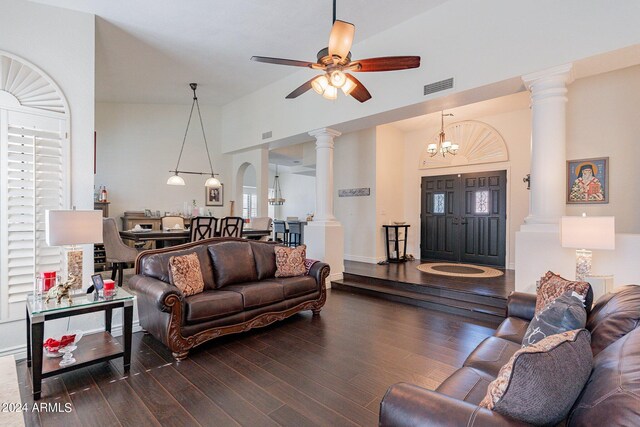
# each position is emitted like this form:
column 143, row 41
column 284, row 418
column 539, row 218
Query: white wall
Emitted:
column 61, row 43
column 478, row 43
column 515, row 128
column 602, row 121
column 137, row 145
column 299, row 192
column 390, row 184
column 355, row 167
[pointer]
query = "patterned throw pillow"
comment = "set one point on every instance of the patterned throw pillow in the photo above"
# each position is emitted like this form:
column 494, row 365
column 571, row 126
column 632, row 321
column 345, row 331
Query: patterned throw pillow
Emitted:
column 564, row 313
column 290, row 261
column 552, row 286
column 185, row 274
column 541, row 382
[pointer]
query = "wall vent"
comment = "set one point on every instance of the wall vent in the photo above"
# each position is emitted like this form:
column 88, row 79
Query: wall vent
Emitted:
column 438, row 86
column 267, row 135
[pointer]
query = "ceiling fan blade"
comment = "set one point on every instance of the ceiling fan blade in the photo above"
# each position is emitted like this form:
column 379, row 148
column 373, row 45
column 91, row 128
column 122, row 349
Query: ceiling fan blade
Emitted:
column 301, row 89
column 341, row 38
column 359, row 92
column 387, row 63
column 281, row 61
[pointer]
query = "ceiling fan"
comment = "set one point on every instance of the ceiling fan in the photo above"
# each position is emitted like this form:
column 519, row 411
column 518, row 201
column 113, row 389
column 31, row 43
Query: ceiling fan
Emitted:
column 335, row 63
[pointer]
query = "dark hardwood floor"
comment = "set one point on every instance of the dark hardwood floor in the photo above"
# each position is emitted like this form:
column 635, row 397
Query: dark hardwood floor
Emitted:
column 331, row 370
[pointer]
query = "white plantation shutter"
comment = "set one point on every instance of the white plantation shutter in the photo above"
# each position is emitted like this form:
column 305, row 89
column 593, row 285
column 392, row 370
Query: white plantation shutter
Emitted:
column 32, row 179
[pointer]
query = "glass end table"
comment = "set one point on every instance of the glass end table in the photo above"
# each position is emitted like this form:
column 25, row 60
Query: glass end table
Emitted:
column 92, row 348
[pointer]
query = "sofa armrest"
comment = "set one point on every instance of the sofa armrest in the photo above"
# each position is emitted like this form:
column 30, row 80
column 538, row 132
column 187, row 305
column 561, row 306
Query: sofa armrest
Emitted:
column 521, row 305
column 154, row 290
column 409, row 405
column 319, row 271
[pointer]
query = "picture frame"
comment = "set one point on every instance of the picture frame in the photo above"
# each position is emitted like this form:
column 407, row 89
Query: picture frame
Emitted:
column 588, row 181
column 214, row 196
column 98, row 282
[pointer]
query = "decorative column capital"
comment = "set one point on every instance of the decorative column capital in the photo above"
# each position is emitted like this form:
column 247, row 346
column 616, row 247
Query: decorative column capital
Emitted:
column 551, row 82
column 325, row 134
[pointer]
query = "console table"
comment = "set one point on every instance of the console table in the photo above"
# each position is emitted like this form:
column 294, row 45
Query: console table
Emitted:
column 91, row 349
column 396, row 242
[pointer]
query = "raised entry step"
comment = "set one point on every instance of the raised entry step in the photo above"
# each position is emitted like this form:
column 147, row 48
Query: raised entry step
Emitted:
column 486, row 308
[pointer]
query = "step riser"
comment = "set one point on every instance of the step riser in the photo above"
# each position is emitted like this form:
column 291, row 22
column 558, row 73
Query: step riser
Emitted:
column 490, row 318
column 428, row 290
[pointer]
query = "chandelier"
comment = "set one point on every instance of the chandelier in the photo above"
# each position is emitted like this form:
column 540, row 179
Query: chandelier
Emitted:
column 176, row 179
column 277, row 199
column 443, row 146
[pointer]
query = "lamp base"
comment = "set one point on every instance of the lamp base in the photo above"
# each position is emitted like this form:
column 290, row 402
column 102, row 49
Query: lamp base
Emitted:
column 583, row 264
column 73, row 257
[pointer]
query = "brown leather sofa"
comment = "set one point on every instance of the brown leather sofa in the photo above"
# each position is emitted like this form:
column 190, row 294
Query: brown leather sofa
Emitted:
column 611, row 396
column 240, row 292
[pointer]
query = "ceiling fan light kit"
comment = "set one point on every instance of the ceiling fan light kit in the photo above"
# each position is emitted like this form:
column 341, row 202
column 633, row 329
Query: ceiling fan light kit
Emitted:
column 176, row 179
column 335, row 60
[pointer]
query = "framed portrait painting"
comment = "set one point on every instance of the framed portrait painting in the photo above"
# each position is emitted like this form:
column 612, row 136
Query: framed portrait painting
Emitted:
column 214, row 196
column 588, row 181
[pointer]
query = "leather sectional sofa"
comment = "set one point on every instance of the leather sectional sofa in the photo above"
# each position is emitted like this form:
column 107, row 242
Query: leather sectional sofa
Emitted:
column 240, row 292
column 611, row 396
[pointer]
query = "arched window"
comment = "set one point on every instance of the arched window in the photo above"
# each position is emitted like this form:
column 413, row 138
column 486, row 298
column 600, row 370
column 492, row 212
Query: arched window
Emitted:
column 34, row 171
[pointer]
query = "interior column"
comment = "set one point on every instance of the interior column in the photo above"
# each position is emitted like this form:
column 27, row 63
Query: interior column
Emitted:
column 548, row 144
column 324, row 236
column 538, row 241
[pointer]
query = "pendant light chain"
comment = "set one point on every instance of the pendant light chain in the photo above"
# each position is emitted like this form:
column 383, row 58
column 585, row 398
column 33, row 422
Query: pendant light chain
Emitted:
column 186, row 130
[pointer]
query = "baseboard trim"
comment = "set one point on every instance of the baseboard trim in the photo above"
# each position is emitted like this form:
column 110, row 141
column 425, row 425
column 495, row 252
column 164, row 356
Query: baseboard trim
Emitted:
column 20, row 351
column 368, row 260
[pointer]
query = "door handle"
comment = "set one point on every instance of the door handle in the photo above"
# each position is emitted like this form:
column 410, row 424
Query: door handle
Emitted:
column 463, row 222
column 455, row 221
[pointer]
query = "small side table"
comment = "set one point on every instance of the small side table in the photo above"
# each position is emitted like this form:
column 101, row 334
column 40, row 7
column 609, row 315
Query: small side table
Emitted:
column 396, row 242
column 91, row 349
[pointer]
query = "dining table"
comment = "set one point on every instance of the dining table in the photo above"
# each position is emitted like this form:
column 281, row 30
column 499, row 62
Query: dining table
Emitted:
column 171, row 237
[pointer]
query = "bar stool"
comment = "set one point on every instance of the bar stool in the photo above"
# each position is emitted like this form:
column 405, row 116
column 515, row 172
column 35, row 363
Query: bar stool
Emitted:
column 280, row 229
column 295, row 233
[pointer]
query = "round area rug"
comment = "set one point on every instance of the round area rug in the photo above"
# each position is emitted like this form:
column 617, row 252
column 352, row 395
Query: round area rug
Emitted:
column 459, row 270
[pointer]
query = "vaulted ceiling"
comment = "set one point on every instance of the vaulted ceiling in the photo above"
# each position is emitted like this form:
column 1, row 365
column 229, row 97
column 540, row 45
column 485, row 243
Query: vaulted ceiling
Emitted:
column 147, row 51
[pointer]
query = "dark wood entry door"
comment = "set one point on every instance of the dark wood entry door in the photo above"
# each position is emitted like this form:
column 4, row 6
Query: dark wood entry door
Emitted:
column 463, row 218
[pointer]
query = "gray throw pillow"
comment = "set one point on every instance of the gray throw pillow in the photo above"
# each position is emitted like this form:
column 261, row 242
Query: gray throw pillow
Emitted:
column 565, row 313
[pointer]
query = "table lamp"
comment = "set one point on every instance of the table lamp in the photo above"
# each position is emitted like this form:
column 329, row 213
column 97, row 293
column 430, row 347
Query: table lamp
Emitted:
column 586, row 233
column 69, row 228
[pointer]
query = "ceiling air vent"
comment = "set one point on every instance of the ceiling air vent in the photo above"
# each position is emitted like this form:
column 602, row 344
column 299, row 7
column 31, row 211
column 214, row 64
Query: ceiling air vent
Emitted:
column 267, row 135
column 438, row 86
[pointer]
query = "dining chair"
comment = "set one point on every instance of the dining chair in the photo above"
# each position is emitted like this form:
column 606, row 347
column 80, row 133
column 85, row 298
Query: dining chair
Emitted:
column 295, row 233
column 203, row 227
column 262, row 223
column 172, row 221
column 117, row 252
column 280, row 231
column 231, row 226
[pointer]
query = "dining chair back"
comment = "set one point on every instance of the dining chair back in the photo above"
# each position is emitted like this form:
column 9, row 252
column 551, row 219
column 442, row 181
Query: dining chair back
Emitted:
column 172, row 221
column 231, row 226
column 261, row 223
column 203, row 227
column 280, row 232
column 116, row 251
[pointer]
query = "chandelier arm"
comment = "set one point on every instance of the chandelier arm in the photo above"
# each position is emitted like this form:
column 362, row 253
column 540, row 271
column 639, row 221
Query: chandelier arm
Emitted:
column 185, row 133
column 206, row 146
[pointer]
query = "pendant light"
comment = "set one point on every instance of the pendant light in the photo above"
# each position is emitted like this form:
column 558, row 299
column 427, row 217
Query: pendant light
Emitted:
column 443, row 146
column 277, row 199
column 176, row 179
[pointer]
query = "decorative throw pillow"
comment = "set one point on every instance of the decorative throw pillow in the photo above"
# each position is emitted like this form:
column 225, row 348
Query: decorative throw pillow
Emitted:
column 541, row 382
column 565, row 313
column 185, row 274
column 552, row 286
column 290, row 261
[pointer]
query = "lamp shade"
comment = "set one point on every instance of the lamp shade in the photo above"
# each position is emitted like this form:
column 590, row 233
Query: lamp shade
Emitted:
column 73, row 227
column 588, row 232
